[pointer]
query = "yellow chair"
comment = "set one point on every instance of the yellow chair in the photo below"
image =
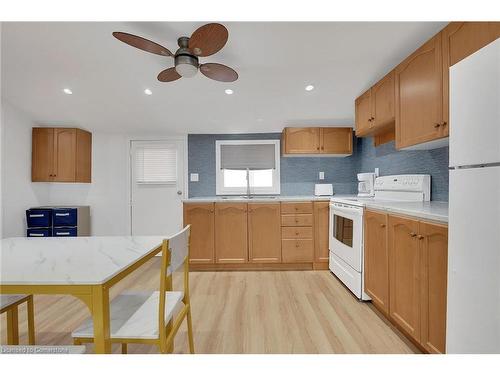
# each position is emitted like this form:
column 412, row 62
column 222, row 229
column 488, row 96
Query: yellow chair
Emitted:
column 147, row 317
column 9, row 303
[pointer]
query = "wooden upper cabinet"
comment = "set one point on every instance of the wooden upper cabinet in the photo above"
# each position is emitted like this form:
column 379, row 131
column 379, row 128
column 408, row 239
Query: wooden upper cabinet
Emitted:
column 321, row 228
column 363, row 113
column 382, row 102
column 231, row 237
column 336, row 141
column 301, row 140
column 42, row 154
column 376, row 268
column 61, row 155
column 202, row 220
column 461, row 39
column 404, row 274
column 419, row 96
column 317, row 141
column 264, row 232
column 65, row 155
column 434, row 248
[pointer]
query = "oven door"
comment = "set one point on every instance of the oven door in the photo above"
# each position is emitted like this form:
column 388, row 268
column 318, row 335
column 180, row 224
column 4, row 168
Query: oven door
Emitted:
column 346, row 231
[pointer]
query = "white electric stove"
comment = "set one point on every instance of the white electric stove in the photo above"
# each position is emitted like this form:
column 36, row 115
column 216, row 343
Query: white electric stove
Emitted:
column 346, row 225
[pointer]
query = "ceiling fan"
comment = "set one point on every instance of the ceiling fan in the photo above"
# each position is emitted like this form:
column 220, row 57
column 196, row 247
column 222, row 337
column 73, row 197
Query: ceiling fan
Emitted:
column 205, row 41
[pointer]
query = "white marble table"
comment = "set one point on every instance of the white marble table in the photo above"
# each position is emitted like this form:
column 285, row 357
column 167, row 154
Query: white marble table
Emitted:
column 85, row 267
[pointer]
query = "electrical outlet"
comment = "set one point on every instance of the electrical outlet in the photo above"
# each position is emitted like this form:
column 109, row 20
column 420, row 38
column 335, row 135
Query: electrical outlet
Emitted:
column 194, row 177
column 321, row 175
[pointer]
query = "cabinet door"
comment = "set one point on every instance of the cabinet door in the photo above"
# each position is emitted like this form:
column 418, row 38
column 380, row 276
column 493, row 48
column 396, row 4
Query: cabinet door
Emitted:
column 404, row 275
column 65, row 155
column 231, row 245
column 321, row 222
column 363, row 114
column 461, row 39
column 383, row 102
column 42, row 155
column 376, row 262
column 336, row 140
column 434, row 265
column 264, row 233
column 419, row 96
column 301, row 140
column 201, row 218
column 83, row 156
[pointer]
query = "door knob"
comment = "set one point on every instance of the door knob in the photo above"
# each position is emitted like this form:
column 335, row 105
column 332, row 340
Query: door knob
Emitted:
column 179, row 192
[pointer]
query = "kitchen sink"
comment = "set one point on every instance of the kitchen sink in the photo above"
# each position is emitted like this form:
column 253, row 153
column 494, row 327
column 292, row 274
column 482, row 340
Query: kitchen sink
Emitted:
column 251, row 197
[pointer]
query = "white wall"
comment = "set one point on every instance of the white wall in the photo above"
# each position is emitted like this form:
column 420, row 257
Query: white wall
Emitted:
column 107, row 194
column 18, row 192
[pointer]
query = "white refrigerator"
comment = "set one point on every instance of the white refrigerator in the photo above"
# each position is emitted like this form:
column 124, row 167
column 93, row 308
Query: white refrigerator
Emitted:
column 473, row 310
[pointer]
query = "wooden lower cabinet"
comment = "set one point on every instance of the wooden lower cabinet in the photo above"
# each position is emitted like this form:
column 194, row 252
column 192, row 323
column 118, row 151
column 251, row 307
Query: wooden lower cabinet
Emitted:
column 231, row 235
column 418, row 258
column 404, row 274
column 202, row 219
column 297, row 250
column 434, row 263
column 321, row 231
column 264, row 233
column 376, row 260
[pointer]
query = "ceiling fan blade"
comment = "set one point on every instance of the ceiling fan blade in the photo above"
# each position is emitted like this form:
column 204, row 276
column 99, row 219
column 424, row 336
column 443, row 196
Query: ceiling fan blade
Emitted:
column 168, row 75
column 208, row 39
column 219, row 72
column 142, row 43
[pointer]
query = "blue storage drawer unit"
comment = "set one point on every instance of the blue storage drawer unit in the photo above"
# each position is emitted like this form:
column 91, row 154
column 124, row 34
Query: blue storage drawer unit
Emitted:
column 64, row 217
column 64, row 232
column 39, row 218
column 39, row 232
column 58, row 221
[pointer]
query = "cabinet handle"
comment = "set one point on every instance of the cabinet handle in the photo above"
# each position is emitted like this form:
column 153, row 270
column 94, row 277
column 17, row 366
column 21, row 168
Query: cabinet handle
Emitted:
column 437, row 125
column 372, row 118
column 413, row 234
column 369, row 120
column 296, row 233
column 382, row 225
column 317, row 148
column 322, row 147
column 444, row 123
column 420, row 237
column 296, row 245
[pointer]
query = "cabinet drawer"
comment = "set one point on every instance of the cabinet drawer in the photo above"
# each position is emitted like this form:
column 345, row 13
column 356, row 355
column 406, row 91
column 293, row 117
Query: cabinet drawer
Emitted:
column 300, row 250
column 64, row 217
column 297, row 208
column 65, row 232
column 39, row 232
column 304, row 220
column 296, row 232
column 38, row 218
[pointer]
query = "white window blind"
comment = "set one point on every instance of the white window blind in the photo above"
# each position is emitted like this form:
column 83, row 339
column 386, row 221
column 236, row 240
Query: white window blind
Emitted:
column 156, row 164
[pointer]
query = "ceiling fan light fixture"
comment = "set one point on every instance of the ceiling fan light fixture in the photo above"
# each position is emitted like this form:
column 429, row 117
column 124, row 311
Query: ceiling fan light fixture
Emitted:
column 309, row 87
column 186, row 65
column 229, row 91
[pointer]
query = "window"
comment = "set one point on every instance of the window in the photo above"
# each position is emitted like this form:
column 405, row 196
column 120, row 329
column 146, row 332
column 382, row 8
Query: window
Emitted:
column 259, row 159
column 156, row 163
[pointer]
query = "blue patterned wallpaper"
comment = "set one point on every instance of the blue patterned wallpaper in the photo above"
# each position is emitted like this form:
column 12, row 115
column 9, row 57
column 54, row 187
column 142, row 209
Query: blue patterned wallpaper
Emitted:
column 298, row 175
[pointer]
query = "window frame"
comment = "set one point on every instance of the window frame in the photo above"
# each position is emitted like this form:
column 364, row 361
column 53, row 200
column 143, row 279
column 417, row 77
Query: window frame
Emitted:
column 219, row 174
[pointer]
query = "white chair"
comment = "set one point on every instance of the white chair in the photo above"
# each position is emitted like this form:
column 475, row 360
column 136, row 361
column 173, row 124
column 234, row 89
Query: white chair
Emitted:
column 147, row 317
column 9, row 303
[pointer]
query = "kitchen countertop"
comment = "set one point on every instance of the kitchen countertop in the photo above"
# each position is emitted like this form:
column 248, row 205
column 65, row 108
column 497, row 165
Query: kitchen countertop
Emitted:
column 257, row 199
column 433, row 210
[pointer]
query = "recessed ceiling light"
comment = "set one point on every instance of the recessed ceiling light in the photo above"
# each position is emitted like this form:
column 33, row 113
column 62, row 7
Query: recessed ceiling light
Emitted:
column 309, row 87
column 67, row 91
column 148, row 92
column 228, row 91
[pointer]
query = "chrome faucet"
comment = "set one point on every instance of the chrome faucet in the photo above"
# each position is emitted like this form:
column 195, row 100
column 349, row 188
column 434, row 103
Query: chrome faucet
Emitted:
column 248, row 183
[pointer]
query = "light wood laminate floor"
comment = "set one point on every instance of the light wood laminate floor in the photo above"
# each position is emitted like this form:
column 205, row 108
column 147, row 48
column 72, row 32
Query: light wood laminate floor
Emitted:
column 244, row 312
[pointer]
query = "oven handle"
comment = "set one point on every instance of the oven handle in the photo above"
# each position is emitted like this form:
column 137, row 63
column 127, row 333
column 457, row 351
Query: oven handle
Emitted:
column 346, row 210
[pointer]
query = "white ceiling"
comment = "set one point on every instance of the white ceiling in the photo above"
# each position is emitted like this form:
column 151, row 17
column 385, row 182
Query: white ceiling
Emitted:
column 275, row 61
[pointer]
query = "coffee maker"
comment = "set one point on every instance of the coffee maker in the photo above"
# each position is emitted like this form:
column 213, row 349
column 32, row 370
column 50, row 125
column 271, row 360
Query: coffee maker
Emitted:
column 366, row 184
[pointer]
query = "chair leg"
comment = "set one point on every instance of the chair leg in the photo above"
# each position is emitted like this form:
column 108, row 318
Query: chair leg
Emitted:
column 190, row 331
column 76, row 342
column 31, row 321
column 124, row 348
column 12, row 326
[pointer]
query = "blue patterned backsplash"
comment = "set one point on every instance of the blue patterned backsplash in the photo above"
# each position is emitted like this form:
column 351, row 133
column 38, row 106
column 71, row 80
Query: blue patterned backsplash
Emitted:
column 299, row 174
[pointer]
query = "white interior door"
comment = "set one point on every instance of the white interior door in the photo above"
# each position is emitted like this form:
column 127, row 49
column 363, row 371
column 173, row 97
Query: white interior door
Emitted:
column 157, row 186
